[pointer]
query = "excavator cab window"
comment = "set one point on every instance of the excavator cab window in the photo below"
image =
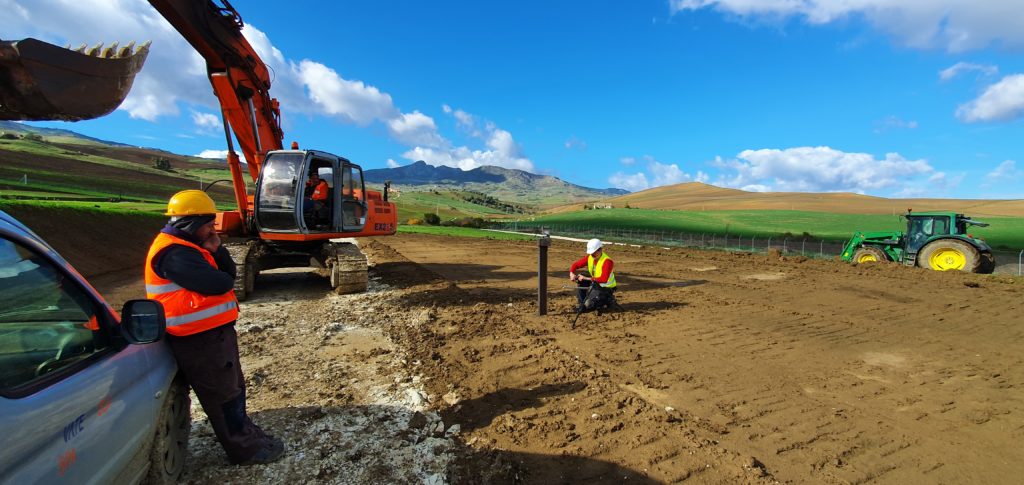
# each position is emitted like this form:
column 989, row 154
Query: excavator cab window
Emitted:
column 278, row 192
column 353, row 198
column 317, row 204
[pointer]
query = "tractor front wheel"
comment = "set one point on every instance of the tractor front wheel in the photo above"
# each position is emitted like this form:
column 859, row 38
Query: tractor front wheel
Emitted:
column 950, row 255
column 867, row 254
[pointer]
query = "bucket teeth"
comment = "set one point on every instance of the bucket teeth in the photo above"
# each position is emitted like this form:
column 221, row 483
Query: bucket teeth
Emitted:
column 126, row 50
column 110, row 51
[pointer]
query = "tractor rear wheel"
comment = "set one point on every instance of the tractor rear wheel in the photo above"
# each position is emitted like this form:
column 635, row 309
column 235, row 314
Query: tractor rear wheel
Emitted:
column 988, row 263
column 950, row 255
column 867, row 254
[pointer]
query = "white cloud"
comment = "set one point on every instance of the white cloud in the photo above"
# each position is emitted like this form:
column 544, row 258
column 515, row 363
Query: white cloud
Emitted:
column 955, row 25
column 415, row 129
column 894, row 123
column 221, row 155
column 1006, row 171
column 576, row 143
column 1002, row 101
column 393, row 164
column 819, row 169
column 627, row 161
column 963, row 67
column 206, row 122
column 350, row 101
column 657, row 174
column 501, row 148
column 633, row 183
column 218, row 154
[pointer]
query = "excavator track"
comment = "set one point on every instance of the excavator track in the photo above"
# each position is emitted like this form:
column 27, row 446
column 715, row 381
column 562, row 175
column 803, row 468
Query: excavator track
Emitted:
column 244, row 255
column 346, row 266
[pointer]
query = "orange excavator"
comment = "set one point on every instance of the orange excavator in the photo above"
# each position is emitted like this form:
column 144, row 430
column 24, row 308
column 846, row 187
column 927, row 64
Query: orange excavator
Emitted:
column 278, row 225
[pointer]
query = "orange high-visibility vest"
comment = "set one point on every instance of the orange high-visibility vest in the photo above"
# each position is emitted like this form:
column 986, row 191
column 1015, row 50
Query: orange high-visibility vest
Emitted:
column 187, row 312
column 596, row 267
column 320, row 191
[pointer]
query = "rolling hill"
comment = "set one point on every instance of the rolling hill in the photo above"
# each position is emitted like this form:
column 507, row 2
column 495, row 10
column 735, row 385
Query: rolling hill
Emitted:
column 696, row 196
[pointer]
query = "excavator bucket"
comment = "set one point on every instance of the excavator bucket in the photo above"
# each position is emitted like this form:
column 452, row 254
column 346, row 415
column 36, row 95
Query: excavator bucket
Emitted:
column 40, row 81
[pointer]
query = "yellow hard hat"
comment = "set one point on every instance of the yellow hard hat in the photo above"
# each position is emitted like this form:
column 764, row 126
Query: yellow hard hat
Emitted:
column 190, row 203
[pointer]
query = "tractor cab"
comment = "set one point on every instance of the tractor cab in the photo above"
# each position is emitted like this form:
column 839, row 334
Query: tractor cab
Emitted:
column 310, row 192
column 923, row 227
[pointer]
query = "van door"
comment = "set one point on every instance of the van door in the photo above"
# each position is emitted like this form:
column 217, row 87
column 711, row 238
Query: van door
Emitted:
column 75, row 402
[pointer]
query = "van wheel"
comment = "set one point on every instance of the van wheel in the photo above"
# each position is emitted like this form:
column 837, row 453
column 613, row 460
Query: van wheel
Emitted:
column 170, row 444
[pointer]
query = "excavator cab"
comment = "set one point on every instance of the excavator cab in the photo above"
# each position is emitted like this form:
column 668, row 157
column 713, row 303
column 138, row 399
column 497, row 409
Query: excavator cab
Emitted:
column 285, row 202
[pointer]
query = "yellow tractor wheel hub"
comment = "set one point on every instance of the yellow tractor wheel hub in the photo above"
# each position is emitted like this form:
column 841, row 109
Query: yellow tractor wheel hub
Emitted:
column 864, row 258
column 947, row 259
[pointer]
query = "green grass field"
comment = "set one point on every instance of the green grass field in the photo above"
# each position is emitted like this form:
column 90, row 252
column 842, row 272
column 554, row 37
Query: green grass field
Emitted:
column 446, row 204
column 1004, row 231
column 462, row 232
column 157, row 208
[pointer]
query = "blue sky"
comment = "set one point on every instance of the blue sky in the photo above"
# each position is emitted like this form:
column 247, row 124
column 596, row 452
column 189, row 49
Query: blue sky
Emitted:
column 882, row 97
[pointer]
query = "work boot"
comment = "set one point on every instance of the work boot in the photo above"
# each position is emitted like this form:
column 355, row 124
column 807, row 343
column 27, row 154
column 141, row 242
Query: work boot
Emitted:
column 272, row 451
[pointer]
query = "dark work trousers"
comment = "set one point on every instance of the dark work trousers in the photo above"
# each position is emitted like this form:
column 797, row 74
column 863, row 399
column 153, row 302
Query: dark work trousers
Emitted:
column 210, row 362
column 599, row 296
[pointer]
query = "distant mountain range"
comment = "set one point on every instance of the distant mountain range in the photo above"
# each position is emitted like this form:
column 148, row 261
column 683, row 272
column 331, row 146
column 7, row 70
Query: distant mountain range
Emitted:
column 503, row 183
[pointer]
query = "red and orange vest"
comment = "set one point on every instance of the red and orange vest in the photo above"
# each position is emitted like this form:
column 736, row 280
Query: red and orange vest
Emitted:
column 187, row 312
column 320, row 191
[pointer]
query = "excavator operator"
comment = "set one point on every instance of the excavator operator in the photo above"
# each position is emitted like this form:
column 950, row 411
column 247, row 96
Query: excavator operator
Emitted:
column 317, row 204
column 193, row 276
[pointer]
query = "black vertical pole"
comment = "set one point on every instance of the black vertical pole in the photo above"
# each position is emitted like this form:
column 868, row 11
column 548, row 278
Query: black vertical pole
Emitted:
column 542, row 275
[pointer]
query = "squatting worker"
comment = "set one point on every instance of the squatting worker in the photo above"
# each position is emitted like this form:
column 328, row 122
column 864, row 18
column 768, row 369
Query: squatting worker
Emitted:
column 192, row 275
column 600, row 266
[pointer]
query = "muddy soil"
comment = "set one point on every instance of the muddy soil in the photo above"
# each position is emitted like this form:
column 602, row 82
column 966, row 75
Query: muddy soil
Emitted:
column 726, row 368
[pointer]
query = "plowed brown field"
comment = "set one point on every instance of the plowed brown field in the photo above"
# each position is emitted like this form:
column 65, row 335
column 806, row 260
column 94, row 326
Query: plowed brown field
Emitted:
column 723, row 368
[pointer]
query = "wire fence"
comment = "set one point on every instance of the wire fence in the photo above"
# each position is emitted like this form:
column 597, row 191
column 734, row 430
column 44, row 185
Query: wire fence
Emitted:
column 1007, row 261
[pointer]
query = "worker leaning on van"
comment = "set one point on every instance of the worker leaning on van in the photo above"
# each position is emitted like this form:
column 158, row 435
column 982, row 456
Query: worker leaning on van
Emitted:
column 193, row 276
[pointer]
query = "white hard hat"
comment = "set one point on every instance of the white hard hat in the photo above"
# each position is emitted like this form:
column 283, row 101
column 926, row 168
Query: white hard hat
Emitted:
column 593, row 245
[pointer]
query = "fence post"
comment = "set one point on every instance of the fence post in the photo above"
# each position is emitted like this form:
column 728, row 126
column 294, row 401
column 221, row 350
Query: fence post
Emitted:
column 1019, row 257
column 769, row 243
column 785, row 245
column 802, row 245
column 821, row 248
column 751, row 244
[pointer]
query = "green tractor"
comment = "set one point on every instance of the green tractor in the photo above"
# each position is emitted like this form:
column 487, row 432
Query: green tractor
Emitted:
column 936, row 240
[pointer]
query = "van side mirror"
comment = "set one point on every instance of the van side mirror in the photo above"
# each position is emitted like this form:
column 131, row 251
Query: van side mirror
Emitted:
column 143, row 321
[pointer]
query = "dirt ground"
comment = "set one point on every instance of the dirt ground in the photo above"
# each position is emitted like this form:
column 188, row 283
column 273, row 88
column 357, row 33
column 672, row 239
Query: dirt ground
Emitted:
column 723, row 368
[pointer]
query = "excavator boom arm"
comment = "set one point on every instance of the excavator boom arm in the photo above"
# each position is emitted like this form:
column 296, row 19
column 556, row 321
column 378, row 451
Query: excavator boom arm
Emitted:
column 240, row 79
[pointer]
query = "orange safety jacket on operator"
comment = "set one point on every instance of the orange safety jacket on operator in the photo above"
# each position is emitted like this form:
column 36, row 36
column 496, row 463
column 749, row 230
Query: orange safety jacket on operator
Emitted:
column 320, row 191
column 596, row 267
column 187, row 312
